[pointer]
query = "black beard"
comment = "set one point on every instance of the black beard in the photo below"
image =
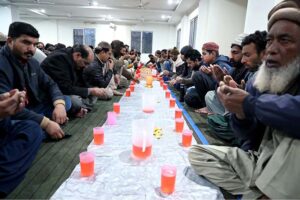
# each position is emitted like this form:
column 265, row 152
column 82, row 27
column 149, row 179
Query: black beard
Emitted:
column 236, row 65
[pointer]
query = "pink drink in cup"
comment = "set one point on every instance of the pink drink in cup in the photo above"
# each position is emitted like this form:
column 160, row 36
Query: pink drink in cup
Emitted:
column 116, row 107
column 165, row 86
column 179, row 124
column 172, row 102
column 111, row 118
column 98, row 135
column 127, row 93
column 131, row 87
column 168, row 94
column 178, row 113
column 168, row 178
column 187, row 136
column 142, row 134
column 86, row 163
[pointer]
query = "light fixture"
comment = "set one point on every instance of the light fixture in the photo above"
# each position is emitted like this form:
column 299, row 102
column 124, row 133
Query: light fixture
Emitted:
column 39, row 12
column 43, row 10
column 95, row 3
column 173, row 2
column 165, row 16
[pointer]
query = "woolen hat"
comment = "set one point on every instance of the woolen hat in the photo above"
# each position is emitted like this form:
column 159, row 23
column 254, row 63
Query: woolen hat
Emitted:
column 210, row 46
column 286, row 10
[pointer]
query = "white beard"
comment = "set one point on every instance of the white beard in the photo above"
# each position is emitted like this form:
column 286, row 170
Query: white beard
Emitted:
column 275, row 80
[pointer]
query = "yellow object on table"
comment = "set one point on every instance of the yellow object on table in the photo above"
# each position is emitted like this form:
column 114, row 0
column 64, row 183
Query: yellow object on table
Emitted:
column 149, row 80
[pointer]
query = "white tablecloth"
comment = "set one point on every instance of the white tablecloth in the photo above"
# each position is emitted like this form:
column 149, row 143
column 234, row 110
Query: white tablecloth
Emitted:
column 118, row 176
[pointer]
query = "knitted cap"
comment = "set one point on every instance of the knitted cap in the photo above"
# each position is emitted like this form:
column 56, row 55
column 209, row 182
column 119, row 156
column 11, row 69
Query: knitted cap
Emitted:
column 286, row 10
column 210, row 46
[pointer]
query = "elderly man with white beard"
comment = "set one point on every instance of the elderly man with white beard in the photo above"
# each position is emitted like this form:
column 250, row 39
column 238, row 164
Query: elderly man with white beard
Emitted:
column 267, row 113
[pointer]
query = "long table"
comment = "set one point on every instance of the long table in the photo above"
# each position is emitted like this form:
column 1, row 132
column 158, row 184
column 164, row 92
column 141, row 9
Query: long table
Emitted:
column 119, row 176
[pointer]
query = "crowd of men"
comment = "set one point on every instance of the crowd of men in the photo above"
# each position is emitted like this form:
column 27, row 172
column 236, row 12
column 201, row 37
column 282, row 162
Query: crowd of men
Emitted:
column 250, row 100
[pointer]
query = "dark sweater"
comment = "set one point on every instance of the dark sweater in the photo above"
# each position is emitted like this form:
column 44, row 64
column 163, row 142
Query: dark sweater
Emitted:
column 62, row 69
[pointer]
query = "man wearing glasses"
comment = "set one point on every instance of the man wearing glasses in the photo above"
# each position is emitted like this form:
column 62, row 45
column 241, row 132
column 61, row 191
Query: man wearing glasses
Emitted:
column 65, row 67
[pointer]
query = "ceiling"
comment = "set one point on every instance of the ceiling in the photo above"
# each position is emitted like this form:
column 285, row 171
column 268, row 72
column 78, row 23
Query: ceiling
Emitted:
column 116, row 11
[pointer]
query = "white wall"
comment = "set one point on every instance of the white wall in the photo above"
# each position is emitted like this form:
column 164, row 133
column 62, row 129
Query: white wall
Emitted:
column 184, row 25
column 219, row 21
column 8, row 14
column 257, row 14
column 54, row 31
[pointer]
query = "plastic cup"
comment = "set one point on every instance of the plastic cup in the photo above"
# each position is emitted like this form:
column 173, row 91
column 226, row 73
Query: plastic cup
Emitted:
column 178, row 113
column 127, row 93
column 161, row 83
column 179, row 124
column 86, row 163
column 172, row 102
column 168, row 94
column 187, row 136
column 165, row 86
column 111, row 118
column 131, row 87
column 168, row 179
column 116, row 107
column 98, row 135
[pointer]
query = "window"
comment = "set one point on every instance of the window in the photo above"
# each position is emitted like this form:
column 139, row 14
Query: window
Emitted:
column 84, row 36
column 178, row 38
column 142, row 41
column 193, row 31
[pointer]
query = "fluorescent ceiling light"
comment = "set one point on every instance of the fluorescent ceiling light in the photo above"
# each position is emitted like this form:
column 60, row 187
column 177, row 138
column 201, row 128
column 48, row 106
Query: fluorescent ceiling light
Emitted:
column 37, row 12
column 165, row 17
column 173, row 1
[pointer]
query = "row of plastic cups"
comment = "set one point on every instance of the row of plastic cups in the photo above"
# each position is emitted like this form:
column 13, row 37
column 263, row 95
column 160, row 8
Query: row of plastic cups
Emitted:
column 130, row 89
column 187, row 134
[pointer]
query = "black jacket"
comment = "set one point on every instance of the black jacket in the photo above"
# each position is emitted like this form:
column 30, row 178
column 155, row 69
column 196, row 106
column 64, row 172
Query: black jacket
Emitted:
column 60, row 66
column 40, row 87
column 94, row 76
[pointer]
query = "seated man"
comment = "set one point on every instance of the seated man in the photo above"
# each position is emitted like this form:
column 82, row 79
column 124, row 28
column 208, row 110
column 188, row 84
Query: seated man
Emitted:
column 65, row 67
column 175, row 61
column 122, row 75
column 19, row 142
column 182, row 71
column 100, row 72
column 19, row 70
column 151, row 62
column 246, row 57
column 193, row 60
column 203, row 79
column 158, row 58
column 266, row 117
column 166, row 65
